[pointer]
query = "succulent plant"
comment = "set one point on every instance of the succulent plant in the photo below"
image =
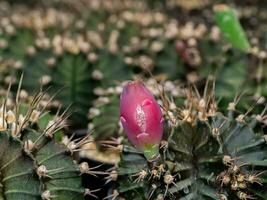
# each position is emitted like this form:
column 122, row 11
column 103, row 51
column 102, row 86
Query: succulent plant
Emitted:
column 41, row 58
column 204, row 154
column 79, row 47
column 63, row 48
column 34, row 163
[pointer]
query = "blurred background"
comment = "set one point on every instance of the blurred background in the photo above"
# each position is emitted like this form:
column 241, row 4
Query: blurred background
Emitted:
column 84, row 50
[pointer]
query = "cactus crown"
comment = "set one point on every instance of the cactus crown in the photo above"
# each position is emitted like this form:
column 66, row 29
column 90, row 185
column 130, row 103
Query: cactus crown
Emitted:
column 204, row 155
column 33, row 164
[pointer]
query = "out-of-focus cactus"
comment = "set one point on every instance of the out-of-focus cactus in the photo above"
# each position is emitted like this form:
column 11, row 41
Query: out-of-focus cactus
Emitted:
column 87, row 44
column 34, row 165
column 203, row 155
column 188, row 5
column 230, row 27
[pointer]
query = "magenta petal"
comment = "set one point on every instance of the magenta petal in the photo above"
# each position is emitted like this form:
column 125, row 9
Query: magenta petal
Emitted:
column 147, row 102
column 141, row 116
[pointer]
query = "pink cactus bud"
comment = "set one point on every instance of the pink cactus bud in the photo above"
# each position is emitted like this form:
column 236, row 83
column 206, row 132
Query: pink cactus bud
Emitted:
column 141, row 118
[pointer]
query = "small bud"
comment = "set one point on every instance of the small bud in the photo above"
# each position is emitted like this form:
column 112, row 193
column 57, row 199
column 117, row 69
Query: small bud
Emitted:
column 154, row 174
column 3, row 43
column 49, row 130
column 10, row 117
column 17, row 65
column 231, row 106
column 23, row 94
column 242, row 185
column 226, row 179
column 65, row 140
column 244, row 196
column 21, row 119
column 84, row 167
column 34, row 116
column 164, row 144
column 92, row 57
column 202, row 104
column 31, row 51
column 141, row 118
column 240, row 118
column 227, row 160
column 28, row 146
column 223, row 197
column 215, row 132
column 72, row 146
column 50, row 62
column 234, row 185
column 259, row 118
column 234, row 169
column 46, row 195
column 97, row 75
column 14, row 129
column 187, row 116
column 93, row 112
column 168, row 179
column 45, row 79
column 114, row 175
column 41, row 171
column 160, row 197
column 3, row 124
column 240, row 178
column 89, row 192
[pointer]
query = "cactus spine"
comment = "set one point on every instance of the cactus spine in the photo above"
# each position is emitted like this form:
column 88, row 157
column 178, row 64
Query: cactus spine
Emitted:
column 32, row 164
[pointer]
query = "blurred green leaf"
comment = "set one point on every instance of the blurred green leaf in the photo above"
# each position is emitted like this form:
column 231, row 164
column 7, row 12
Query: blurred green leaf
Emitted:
column 230, row 27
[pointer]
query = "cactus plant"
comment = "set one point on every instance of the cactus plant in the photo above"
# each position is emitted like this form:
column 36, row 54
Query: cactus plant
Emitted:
column 102, row 45
column 64, row 48
column 33, row 164
column 204, row 155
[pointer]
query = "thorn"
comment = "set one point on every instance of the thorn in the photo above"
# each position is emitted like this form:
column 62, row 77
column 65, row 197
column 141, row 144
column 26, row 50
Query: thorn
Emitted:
column 140, row 176
column 46, row 195
column 113, row 176
column 90, row 192
column 42, row 172
column 114, row 195
column 85, row 169
column 153, row 189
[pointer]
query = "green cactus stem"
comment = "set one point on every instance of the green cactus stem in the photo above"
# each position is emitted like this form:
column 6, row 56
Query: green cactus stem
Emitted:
column 33, row 165
column 204, row 155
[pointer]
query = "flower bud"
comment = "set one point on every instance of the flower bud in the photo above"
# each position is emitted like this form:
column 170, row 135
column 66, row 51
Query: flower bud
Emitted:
column 141, row 118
